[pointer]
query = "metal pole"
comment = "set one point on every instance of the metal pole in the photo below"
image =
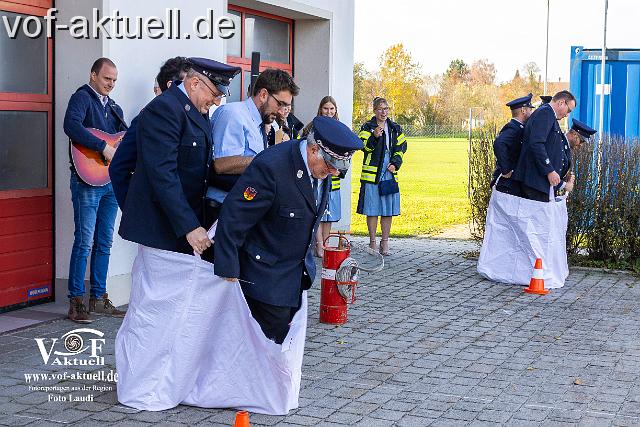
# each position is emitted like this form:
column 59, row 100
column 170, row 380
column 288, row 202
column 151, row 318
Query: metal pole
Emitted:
column 469, row 162
column 602, row 71
column 546, row 57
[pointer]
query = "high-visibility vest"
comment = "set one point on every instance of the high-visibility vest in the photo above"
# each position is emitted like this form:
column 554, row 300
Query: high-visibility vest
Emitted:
column 374, row 149
column 335, row 183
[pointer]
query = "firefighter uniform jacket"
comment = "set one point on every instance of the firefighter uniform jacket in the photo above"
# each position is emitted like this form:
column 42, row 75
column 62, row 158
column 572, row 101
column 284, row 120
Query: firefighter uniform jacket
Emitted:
column 506, row 148
column 542, row 150
column 266, row 227
column 374, row 150
column 567, row 162
column 165, row 200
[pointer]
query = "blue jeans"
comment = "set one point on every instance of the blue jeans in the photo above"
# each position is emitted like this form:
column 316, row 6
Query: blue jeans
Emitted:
column 94, row 215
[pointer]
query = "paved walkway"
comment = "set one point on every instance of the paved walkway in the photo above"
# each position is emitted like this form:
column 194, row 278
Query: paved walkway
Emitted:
column 428, row 343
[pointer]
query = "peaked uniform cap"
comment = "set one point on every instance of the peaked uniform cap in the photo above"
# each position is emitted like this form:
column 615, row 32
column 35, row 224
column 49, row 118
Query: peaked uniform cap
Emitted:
column 524, row 101
column 336, row 140
column 546, row 98
column 582, row 129
column 220, row 74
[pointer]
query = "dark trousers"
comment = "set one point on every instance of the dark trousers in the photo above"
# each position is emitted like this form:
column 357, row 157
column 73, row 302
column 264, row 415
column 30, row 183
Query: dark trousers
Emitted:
column 509, row 186
column 273, row 320
column 211, row 214
column 533, row 194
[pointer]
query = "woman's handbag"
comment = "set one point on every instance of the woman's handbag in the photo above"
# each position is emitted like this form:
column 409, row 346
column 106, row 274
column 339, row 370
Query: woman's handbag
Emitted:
column 390, row 186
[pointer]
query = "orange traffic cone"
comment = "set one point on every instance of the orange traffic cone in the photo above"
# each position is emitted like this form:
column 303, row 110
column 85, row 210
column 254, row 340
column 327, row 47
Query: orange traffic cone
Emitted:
column 242, row 419
column 536, row 285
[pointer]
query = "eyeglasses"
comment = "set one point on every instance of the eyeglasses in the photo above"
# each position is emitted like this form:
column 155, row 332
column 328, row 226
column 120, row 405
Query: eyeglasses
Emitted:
column 329, row 165
column 215, row 96
column 569, row 109
column 333, row 163
column 281, row 104
column 382, row 110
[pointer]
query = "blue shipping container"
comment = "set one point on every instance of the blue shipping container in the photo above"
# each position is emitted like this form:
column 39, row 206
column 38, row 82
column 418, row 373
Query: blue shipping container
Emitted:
column 622, row 89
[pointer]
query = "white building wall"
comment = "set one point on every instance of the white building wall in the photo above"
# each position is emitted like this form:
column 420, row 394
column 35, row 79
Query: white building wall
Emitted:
column 323, row 64
column 73, row 60
column 341, row 85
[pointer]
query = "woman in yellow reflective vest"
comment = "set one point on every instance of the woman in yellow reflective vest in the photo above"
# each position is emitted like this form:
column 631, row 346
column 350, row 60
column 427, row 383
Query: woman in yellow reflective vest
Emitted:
column 328, row 108
column 384, row 147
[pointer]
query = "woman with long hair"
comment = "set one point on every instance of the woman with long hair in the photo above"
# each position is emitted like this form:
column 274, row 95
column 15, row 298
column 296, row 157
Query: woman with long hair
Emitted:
column 328, row 108
column 384, row 148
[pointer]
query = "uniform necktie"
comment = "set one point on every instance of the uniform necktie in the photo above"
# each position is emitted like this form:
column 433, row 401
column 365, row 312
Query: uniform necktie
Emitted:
column 315, row 192
column 265, row 141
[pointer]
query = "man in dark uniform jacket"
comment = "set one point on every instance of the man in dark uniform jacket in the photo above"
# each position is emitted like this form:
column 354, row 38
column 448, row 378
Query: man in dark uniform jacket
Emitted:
column 574, row 138
column 540, row 163
column 270, row 216
column 164, row 206
column 507, row 145
column 123, row 164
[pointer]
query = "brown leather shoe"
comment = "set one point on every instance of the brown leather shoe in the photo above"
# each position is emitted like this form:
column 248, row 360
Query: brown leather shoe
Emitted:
column 103, row 305
column 77, row 311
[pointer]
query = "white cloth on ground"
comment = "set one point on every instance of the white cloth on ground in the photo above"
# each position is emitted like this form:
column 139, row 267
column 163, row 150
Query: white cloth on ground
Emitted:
column 517, row 231
column 189, row 338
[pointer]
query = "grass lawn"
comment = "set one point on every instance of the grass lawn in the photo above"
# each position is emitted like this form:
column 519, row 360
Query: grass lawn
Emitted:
column 433, row 188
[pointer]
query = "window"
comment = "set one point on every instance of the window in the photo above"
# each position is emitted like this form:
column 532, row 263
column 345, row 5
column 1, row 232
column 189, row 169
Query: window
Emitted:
column 23, row 63
column 270, row 35
column 267, row 36
column 25, row 105
column 24, row 151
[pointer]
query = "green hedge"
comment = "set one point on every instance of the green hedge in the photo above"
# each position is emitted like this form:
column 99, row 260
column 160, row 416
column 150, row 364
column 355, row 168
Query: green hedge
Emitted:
column 603, row 209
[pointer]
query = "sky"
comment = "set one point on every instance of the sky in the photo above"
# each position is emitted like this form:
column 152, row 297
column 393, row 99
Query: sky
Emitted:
column 509, row 33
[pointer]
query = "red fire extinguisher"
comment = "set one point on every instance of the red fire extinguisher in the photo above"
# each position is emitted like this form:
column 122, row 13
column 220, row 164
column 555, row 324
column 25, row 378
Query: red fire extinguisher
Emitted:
column 339, row 281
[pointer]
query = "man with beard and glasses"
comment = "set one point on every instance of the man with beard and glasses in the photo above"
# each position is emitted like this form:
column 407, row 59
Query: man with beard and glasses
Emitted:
column 238, row 132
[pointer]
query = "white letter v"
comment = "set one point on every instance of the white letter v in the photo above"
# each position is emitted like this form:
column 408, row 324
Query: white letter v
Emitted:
column 43, row 351
column 12, row 31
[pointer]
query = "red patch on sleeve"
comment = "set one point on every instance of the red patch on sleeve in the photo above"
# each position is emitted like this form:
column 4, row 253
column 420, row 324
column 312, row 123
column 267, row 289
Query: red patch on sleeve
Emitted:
column 250, row 193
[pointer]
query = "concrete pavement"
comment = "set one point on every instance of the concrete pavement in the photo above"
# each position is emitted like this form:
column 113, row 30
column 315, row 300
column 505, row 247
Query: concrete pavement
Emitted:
column 429, row 342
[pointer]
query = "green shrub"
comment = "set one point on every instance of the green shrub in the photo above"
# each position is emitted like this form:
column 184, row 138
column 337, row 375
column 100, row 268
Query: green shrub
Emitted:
column 604, row 208
column 482, row 162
